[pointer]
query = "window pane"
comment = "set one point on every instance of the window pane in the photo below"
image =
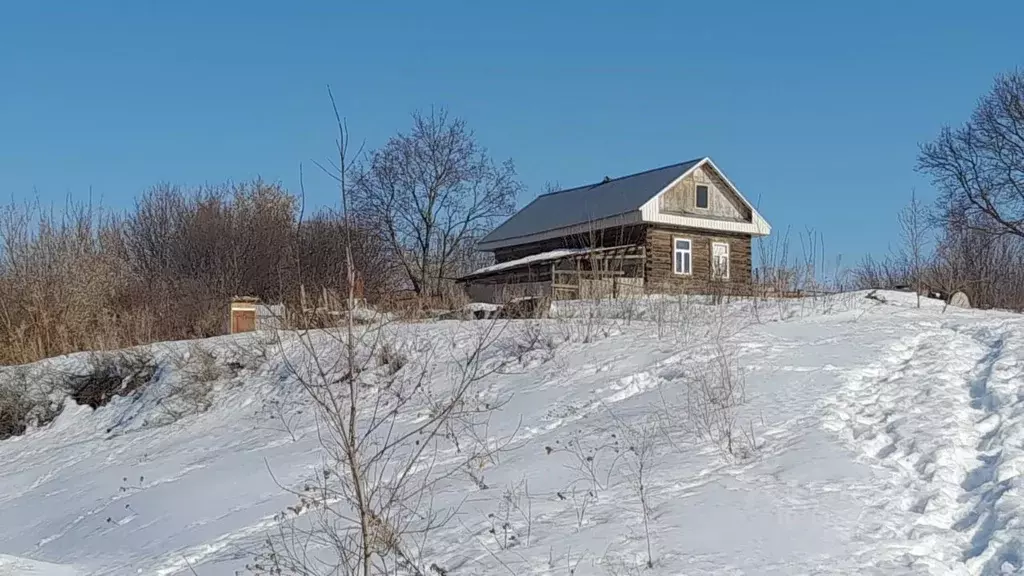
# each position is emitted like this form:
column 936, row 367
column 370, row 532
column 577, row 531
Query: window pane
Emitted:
column 679, row 263
column 682, row 244
column 686, row 262
column 702, row 196
column 720, row 266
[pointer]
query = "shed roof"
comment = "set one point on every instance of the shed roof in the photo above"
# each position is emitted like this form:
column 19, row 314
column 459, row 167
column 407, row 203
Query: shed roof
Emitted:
column 527, row 260
column 575, row 206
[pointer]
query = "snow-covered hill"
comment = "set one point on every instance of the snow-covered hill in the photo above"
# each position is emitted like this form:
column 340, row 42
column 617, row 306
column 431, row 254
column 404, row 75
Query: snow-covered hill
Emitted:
column 882, row 439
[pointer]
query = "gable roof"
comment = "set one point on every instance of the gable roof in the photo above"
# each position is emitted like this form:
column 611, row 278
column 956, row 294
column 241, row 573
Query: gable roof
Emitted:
column 588, row 203
column 612, row 202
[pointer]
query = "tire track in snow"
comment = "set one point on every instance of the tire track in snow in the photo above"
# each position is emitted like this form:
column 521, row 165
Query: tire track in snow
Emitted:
column 933, row 413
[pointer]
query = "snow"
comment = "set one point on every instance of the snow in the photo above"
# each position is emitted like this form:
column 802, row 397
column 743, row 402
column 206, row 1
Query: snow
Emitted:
column 11, row 566
column 890, row 440
column 531, row 259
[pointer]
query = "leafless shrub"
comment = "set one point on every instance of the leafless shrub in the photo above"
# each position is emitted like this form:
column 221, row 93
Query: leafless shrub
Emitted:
column 28, row 399
column 282, row 413
column 788, row 282
column 251, row 353
column 585, row 324
column 681, row 317
column 580, row 498
column 320, row 261
column 661, row 314
column 629, row 307
column 15, row 406
column 391, row 357
column 197, row 370
column 512, row 524
column 775, row 275
column 639, row 443
column 571, row 564
column 469, row 431
column 909, row 265
column 201, row 364
column 988, row 267
column 712, row 398
column 622, row 566
column 530, row 341
column 592, row 459
column 111, row 374
column 377, row 508
column 715, row 391
column 709, row 407
column 882, row 273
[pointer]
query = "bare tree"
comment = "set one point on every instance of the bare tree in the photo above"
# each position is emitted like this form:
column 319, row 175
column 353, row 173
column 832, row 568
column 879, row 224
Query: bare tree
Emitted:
column 371, row 506
column 320, row 255
column 988, row 268
column 430, row 191
column 913, row 220
column 979, row 167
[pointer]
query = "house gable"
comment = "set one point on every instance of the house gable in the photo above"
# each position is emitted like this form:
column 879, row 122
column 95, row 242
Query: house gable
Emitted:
column 727, row 211
column 722, row 203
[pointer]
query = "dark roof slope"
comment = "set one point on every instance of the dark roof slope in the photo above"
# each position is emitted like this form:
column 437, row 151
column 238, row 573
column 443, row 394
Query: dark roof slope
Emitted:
column 588, row 203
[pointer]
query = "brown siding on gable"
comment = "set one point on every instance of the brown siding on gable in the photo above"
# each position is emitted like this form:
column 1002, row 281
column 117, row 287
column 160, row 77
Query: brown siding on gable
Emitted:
column 618, row 236
column 659, row 272
column 722, row 203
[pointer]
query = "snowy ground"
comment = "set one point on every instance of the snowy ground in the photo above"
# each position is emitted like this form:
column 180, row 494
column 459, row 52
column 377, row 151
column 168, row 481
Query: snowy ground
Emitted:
column 889, row 440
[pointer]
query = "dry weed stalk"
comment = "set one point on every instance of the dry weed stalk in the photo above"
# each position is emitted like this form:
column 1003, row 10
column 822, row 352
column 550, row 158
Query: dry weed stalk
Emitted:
column 386, row 425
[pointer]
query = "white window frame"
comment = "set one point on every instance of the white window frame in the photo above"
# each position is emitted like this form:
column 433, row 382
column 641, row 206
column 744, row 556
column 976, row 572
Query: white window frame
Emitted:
column 695, row 205
column 687, row 262
column 728, row 260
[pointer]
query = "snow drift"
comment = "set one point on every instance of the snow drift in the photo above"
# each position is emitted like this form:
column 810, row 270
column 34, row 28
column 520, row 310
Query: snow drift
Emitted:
column 878, row 439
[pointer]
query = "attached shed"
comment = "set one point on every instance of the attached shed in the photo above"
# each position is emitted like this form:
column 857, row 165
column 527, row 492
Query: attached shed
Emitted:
column 567, row 273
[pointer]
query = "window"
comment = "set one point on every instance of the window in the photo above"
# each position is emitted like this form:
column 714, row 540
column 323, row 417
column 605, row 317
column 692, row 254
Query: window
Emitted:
column 682, row 256
column 702, row 196
column 720, row 260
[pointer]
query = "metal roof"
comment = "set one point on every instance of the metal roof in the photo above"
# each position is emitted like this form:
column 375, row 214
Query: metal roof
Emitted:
column 528, row 260
column 584, row 204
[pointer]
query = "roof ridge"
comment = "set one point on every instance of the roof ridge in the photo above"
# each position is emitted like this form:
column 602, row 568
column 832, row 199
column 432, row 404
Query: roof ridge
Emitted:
column 692, row 161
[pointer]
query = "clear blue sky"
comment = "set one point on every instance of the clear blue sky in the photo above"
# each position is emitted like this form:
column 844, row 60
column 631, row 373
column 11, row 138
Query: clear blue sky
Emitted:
column 814, row 109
